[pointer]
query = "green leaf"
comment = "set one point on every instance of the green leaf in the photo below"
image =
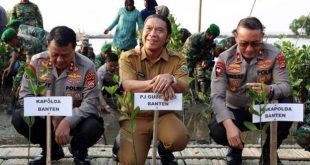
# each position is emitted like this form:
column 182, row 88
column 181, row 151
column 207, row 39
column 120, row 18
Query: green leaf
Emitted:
column 250, row 125
column 135, row 112
column 45, row 72
column 41, row 89
column 33, row 87
column 111, row 89
column 29, row 120
column 115, row 78
column 253, row 111
column 253, row 94
column 297, row 83
column 130, row 97
column 30, row 73
column 265, row 127
column 133, row 125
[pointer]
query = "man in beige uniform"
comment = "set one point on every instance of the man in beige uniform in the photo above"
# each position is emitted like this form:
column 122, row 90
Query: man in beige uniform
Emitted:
column 157, row 70
column 69, row 74
column 248, row 63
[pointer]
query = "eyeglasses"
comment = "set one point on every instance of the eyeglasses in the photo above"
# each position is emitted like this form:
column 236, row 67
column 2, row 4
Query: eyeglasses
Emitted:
column 246, row 44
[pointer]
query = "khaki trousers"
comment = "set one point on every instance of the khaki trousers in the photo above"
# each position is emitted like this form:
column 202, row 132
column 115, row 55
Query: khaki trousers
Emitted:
column 171, row 132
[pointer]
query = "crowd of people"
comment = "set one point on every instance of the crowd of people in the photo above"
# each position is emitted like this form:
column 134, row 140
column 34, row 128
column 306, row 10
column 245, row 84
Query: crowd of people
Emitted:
column 243, row 60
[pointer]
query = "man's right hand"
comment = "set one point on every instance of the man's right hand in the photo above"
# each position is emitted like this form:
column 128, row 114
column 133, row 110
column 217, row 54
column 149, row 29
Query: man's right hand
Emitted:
column 56, row 120
column 6, row 72
column 233, row 134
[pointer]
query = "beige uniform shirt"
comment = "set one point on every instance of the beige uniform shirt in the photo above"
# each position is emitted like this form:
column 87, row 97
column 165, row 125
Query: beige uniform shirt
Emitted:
column 79, row 81
column 136, row 66
column 232, row 72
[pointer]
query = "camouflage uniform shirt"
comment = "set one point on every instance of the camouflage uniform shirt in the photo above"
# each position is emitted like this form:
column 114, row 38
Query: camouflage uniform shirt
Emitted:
column 36, row 32
column 28, row 13
column 28, row 45
column 198, row 48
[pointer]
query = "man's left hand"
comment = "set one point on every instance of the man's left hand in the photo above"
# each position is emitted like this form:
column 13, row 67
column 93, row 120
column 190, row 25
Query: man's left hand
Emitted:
column 62, row 134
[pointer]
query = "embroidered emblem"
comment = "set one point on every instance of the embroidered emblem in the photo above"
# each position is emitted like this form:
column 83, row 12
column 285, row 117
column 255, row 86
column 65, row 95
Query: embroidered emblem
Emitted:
column 44, row 78
column 184, row 69
column 74, row 81
column 233, row 85
column 90, row 80
column 74, row 75
column 264, row 64
column 234, row 68
column 219, row 68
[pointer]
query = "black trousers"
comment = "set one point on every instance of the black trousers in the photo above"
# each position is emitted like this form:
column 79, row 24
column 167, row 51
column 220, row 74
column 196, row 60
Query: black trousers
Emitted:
column 218, row 131
column 85, row 134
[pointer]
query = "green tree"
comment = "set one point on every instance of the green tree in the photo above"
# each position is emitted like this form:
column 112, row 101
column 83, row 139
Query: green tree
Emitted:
column 302, row 23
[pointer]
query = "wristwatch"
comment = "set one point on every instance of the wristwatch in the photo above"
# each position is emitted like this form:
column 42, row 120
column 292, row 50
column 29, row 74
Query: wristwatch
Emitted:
column 174, row 81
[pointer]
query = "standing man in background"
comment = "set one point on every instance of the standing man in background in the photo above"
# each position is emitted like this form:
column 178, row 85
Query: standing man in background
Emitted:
column 28, row 13
column 3, row 19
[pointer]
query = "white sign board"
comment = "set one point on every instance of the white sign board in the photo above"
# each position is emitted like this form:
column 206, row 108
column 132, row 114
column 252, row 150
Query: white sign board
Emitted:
column 154, row 101
column 280, row 112
column 48, row 106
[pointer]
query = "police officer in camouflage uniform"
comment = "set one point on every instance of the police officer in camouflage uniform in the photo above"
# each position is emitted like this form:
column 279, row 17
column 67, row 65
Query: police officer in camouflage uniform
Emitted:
column 28, row 13
column 69, row 74
column 247, row 64
column 198, row 48
column 37, row 32
column 24, row 47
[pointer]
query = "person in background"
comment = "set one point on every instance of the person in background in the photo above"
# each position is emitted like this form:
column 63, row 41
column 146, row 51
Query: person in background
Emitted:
column 3, row 20
column 153, row 69
column 100, row 58
column 125, row 37
column 86, row 49
column 198, row 49
column 246, row 65
column 69, row 74
column 106, row 77
column 185, row 34
column 28, row 13
column 224, row 44
column 24, row 47
column 149, row 8
column 28, row 30
column 162, row 10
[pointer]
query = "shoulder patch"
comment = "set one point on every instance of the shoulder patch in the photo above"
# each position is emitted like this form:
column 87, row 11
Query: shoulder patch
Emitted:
column 184, row 69
column 219, row 68
column 90, row 80
column 281, row 60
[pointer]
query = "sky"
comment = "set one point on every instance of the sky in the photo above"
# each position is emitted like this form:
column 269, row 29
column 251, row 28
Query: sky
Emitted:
column 93, row 16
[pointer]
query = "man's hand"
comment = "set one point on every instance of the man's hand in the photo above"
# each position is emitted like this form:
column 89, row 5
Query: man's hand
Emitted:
column 169, row 94
column 6, row 72
column 233, row 134
column 56, row 120
column 161, row 83
column 257, row 87
column 62, row 133
column 106, row 31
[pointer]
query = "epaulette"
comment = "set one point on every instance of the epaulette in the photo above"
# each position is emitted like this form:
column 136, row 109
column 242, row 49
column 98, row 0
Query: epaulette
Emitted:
column 130, row 53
